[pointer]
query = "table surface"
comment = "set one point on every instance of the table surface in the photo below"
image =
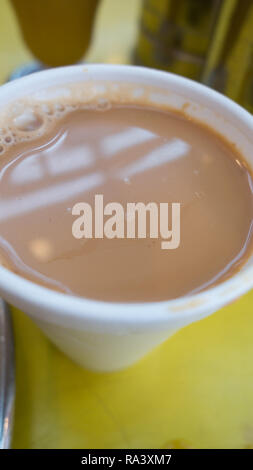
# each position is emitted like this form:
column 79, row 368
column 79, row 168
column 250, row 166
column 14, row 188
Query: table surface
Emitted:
column 195, row 390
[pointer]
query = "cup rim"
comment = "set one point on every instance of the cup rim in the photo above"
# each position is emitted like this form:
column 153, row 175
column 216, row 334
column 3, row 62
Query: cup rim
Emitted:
column 57, row 305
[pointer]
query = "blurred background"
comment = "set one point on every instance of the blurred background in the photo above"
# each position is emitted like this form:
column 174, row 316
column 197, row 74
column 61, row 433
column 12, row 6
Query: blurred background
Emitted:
column 195, row 390
column 210, row 41
column 97, row 31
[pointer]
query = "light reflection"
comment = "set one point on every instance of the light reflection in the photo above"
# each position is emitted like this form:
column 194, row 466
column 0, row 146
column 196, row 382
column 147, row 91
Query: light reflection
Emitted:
column 41, row 248
column 115, row 143
column 27, row 171
column 19, row 263
column 30, row 169
column 215, row 279
column 73, row 158
column 250, row 182
column 57, row 193
column 172, row 150
column 238, row 162
column 49, row 160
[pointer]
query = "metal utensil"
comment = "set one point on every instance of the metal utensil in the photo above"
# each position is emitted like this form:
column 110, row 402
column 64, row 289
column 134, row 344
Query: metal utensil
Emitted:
column 7, row 376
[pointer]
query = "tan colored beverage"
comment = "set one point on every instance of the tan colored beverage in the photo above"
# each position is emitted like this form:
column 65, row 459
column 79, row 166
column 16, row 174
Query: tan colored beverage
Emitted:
column 89, row 152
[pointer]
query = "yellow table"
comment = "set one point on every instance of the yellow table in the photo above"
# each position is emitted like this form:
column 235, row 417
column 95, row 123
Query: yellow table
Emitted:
column 196, row 390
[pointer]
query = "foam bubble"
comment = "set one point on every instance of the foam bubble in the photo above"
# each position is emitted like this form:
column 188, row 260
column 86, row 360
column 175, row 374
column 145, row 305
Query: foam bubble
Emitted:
column 28, row 121
column 59, row 107
column 32, row 116
column 46, row 109
column 9, row 139
column 103, row 104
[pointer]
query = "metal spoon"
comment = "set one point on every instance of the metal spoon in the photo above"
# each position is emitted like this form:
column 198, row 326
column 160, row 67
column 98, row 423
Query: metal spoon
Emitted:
column 7, row 376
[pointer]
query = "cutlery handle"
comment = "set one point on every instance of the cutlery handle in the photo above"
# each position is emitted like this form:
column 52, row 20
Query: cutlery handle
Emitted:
column 7, row 376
